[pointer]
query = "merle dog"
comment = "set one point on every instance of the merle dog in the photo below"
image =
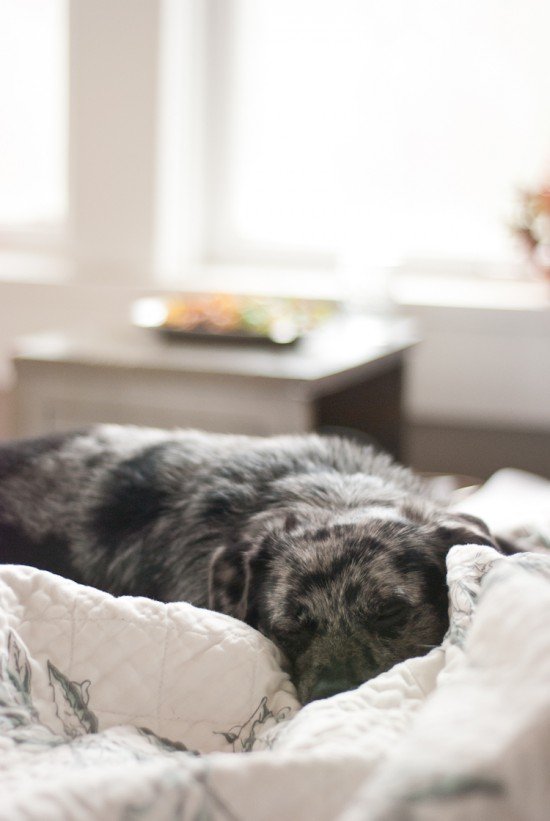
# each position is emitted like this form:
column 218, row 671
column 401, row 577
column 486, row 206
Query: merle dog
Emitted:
column 327, row 547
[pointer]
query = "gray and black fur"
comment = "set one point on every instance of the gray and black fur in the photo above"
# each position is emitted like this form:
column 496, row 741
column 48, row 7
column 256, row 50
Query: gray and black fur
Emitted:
column 327, row 547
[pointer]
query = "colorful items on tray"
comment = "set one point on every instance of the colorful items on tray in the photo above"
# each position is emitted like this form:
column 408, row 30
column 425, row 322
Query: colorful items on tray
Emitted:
column 279, row 319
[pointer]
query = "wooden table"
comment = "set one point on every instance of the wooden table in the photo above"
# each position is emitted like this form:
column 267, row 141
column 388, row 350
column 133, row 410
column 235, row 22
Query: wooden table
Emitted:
column 347, row 375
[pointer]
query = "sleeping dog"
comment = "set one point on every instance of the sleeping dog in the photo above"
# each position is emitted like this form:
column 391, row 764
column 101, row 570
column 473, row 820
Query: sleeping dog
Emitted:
column 327, row 547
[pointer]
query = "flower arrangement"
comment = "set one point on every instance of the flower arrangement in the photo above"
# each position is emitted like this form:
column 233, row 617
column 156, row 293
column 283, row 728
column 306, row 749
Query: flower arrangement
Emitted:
column 532, row 227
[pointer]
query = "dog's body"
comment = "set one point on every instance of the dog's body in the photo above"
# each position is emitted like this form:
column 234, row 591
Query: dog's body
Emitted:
column 327, row 547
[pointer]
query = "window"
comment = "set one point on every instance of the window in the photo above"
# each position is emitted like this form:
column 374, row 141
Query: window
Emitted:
column 33, row 138
column 304, row 133
column 375, row 130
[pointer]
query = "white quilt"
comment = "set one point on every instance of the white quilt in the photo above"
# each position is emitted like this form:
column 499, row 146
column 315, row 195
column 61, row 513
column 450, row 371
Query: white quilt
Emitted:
column 127, row 708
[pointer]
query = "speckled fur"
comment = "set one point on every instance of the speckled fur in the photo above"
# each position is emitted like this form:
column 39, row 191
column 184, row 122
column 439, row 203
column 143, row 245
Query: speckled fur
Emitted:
column 329, row 548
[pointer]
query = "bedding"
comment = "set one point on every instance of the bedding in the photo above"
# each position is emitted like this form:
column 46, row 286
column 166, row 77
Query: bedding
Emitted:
column 128, row 708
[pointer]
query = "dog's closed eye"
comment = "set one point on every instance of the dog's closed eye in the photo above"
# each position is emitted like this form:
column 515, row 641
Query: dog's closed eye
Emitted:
column 390, row 616
column 297, row 627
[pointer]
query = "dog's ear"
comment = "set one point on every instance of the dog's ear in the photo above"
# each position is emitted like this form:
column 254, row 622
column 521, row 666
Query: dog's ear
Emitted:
column 237, row 569
column 229, row 580
column 461, row 528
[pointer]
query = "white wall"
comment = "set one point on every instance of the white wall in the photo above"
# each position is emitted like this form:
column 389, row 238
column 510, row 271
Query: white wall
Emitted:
column 112, row 131
column 481, row 366
column 30, row 307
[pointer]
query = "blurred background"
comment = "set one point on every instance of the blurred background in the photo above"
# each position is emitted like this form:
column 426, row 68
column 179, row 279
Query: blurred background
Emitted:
column 393, row 156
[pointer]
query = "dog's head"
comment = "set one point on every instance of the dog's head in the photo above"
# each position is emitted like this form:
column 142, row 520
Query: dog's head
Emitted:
column 348, row 599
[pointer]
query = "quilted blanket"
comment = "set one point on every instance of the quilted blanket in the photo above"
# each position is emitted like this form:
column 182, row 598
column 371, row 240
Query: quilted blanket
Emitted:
column 127, row 708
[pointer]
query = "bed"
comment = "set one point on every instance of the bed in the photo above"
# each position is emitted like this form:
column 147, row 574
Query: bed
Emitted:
column 128, row 708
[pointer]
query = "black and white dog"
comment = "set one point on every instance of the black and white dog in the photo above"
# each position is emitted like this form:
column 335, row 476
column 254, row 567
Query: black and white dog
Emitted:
column 327, row 547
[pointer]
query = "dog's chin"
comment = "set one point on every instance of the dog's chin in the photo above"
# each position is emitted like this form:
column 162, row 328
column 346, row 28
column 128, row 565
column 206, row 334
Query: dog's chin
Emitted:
column 314, row 687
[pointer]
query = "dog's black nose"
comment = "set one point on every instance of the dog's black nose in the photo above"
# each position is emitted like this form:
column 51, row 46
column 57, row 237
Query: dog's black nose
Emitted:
column 335, row 679
column 325, row 688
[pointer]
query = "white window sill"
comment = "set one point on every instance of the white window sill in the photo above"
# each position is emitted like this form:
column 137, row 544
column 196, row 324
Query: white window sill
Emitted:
column 431, row 291
column 39, row 268
column 405, row 290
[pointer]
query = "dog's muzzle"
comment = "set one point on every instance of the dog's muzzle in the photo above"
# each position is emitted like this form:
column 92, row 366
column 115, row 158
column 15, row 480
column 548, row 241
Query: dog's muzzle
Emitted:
column 338, row 678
